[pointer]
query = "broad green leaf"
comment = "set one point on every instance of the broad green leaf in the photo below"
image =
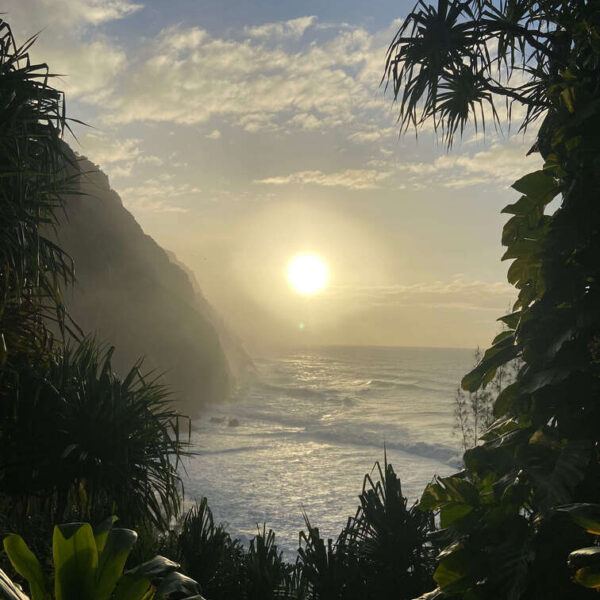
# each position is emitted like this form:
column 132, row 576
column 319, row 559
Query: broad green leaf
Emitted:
column 75, row 561
column 495, row 356
column 541, row 379
column 523, row 207
column 555, row 488
column 155, row 567
column 178, row 585
column 102, row 530
column 133, row 587
column 588, row 577
column 506, row 398
column 451, row 513
column 585, row 515
column 27, row 565
column 585, row 557
column 538, row 185
column 461, row 490
column 522, row 248
column 511, row 320
column 112, row 561
column 452, row 569
column 433, row 497
column 502, row 336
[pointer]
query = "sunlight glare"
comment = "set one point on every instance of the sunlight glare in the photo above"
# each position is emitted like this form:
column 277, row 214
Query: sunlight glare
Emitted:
column 307, row 274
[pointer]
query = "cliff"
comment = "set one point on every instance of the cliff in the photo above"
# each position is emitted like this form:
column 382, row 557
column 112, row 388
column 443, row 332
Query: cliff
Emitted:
column 130, row 293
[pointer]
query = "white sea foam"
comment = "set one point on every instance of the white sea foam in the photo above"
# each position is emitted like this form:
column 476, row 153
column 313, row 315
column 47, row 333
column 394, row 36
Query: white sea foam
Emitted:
column 313, row 423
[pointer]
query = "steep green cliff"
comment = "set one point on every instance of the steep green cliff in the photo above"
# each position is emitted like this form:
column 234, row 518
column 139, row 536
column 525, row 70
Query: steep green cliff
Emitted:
column 130, row 293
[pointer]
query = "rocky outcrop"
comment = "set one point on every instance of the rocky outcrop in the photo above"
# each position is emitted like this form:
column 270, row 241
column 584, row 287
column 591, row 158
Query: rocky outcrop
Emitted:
column 131, row 293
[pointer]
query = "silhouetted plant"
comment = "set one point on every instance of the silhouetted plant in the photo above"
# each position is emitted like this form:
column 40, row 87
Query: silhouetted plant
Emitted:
column 323, row 566
column 209, row 555
column 502, row 537
column 266, row 573
column 32, row 166
column 389, row 542
column 383, row 552
column 82, row 440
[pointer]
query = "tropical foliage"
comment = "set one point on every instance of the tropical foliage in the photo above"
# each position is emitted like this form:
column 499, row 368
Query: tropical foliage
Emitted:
column 474, row 410
column 82, row 440
column 521, row 520
column 383, row 552
column 32, row 268
column 390, row 541
column 585, row 562
column 453, row 63
column 76, row 440
column 90, row 564
column 208, row 554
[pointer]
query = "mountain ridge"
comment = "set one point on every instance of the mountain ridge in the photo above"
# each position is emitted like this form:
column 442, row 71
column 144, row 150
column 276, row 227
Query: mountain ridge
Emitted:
column 131, row 293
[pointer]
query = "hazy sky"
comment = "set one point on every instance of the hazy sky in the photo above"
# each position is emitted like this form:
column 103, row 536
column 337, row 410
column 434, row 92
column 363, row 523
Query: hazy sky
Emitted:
column 242, row 132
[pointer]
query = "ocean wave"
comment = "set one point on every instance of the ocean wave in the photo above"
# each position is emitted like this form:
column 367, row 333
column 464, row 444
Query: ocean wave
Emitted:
column 227, row 450
column 439, row 452
column 346, row 432
column 365, row 387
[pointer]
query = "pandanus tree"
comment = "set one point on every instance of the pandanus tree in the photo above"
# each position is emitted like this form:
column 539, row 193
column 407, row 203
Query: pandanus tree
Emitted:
column 382, row 553
column 460, row 64
column 76, row 439
column 33, row 269
column 84, row 440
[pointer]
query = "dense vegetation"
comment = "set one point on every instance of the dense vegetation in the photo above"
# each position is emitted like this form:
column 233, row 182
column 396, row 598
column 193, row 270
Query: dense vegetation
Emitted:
column 513, row 524
column 506, row 531
column 383, row 552
column 60, row 402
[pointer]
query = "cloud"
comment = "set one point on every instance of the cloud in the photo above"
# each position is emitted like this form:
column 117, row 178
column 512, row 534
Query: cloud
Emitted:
column 105, row 150
column 499, row 165
column 117, row 157
column 457, row 293
column 158, row 194
column 188, row 77
column 66, row 13
column 215, row 134
column 370, row 135
column 293, row 28
column 69, row 44
column 90, row 70
column 94, row 12
column 356, row 179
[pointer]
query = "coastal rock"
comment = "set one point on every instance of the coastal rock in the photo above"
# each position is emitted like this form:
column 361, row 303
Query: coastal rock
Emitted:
column 130, row 293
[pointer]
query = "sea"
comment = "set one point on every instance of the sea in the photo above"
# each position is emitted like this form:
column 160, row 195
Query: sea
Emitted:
column 300, row 437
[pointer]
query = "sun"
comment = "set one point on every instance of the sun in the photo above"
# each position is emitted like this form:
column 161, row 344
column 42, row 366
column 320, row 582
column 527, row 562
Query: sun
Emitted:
column 307, row 274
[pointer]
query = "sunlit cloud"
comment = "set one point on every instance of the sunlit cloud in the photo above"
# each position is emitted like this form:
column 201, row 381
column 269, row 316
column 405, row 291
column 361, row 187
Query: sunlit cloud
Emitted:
column 498, row 165
column 457, row 293
column 191, row 77
column 81, row 12
column 357, row 179
column 293, row 28
column 215, row 134
column 103, row 149
column 159, row 194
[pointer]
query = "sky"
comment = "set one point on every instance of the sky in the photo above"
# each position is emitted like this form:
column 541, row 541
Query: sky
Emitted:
column 240, row 133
